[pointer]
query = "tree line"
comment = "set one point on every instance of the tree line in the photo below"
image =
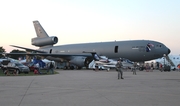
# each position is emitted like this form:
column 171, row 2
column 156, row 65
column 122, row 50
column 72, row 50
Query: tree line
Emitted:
column 2, row 50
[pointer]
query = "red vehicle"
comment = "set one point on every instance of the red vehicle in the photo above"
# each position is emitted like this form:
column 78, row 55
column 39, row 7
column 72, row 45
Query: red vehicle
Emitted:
column 30, row 65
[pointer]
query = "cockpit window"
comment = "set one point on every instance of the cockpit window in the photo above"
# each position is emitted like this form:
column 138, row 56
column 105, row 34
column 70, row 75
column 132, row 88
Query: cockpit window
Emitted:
column 159, row 46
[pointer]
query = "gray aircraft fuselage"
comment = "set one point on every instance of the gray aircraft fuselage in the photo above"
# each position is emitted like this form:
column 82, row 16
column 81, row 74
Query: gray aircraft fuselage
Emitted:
column 134, row 50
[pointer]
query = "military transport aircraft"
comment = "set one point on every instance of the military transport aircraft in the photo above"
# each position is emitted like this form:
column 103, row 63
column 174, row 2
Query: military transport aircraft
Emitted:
column 81, row 54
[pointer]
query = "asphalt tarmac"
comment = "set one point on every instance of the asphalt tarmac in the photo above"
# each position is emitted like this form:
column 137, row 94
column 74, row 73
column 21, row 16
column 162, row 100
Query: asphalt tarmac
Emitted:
column 90, row 88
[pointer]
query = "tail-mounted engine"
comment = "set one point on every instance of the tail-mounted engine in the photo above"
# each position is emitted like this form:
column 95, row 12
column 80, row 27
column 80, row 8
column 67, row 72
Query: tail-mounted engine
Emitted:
column 46, row 41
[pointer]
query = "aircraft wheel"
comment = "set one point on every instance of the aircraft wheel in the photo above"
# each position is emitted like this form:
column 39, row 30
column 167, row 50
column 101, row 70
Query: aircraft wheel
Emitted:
column 72, row 67
column 65, row 67
column 78, row 68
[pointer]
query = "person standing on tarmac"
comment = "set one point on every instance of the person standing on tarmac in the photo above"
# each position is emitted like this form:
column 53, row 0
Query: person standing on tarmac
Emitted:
column 119, row 70
column 134, row 68
column 51, row 68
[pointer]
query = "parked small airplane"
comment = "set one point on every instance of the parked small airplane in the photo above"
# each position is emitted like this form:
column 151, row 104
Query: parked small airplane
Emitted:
column 104, row 63
column 134, row 50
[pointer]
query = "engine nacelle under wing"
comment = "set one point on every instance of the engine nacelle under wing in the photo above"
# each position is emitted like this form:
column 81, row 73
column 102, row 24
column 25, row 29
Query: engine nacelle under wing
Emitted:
column 44, row 41
column 80, row 61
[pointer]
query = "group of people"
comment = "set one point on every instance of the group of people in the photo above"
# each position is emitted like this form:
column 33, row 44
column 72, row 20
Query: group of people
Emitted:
column 50, row 68
column 149, row 67
column 119, row 69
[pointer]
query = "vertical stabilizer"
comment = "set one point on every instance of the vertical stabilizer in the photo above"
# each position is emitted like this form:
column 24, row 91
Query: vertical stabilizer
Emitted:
column 42, row 39
column 40, row 32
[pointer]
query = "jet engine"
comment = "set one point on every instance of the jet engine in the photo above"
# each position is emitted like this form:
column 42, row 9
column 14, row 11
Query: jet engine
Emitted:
column 44, row 41
column 81, row 61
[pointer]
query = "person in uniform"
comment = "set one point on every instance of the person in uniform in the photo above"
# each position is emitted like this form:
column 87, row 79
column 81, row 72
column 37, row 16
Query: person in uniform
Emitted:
column 134, row 68
column 119, row 70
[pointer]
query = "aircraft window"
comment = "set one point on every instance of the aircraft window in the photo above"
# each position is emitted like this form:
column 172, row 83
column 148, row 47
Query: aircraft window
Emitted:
column 174, row 58
column 177, row 58
column 116, row 49
column 158, row 46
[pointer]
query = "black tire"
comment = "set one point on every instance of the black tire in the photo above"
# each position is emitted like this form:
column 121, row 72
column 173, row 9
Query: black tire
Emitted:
column 72, row 67
column 78, row 68
column 65, row 68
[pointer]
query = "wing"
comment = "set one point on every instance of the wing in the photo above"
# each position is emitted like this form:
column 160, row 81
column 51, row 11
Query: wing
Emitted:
column 28, row 49
column 67, row 56
column 48, row 54
column 45, row 54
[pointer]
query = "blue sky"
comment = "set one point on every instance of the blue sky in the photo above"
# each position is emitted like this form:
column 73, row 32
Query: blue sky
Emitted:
column 80, row 21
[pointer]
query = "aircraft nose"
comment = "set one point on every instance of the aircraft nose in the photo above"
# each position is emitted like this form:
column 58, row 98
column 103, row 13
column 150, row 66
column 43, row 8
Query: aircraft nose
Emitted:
column 169, row 51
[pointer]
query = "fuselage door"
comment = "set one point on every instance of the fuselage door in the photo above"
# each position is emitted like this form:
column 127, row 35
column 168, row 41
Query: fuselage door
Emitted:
column 50, row 51
column 116, row 49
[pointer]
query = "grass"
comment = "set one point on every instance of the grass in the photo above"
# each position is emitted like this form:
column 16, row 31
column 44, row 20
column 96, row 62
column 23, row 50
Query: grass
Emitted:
column 29, row 74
